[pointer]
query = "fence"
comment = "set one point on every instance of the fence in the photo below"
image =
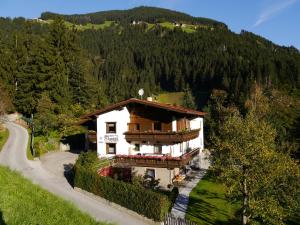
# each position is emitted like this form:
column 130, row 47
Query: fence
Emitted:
column 172, row 220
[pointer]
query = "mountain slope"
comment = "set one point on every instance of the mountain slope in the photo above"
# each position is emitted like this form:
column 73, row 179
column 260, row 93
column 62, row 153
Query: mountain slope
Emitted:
column 146, row 14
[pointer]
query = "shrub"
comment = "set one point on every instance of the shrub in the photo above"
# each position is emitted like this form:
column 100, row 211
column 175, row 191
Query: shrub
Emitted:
column 146, row 202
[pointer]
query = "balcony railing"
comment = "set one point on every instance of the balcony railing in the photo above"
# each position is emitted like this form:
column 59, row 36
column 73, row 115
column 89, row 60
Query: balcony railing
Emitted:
column 156, row 161
column 161, row 137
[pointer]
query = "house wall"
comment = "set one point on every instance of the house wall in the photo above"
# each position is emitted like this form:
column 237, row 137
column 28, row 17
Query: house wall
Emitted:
column 198, row 142
column 175, row 150
column 164, row 175
column 121, row 118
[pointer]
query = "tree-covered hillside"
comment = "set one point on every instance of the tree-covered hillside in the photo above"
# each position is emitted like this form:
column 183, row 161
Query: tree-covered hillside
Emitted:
column 146, row 14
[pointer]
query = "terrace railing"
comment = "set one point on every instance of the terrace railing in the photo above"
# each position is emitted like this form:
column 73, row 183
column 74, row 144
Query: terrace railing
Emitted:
column 156, row 161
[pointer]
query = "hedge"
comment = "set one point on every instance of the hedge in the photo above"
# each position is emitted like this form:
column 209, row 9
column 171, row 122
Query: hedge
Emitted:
column 146, row 202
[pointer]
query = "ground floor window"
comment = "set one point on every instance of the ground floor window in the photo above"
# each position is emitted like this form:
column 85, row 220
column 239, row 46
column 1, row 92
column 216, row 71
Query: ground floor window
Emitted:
column 150, row 173
column 111, row 148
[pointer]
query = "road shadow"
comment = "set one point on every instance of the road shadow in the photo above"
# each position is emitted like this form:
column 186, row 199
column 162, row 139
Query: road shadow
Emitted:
column 2, row 222
column 76, row 142
column 69, row 173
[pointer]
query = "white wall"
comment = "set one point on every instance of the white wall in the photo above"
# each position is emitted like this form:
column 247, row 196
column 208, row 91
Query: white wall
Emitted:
column 174, row 150
column 198, row 142
column 174, row 124
column 122, row 118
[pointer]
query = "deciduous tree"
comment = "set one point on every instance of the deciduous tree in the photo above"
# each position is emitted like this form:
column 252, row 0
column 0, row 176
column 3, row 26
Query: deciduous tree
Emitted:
column 266, row 181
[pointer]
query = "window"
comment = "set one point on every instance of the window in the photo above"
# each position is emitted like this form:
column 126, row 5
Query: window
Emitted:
column 111, row 127
column 150, row 173
column 137, row 147
column 157, row 126
column 137, row 126
column 157, row 149
column 111, row 148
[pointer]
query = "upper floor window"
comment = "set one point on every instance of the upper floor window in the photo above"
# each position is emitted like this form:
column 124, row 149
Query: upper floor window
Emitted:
column 111, row 127
column 157, row 149
column 137, row 127
column 157, row 126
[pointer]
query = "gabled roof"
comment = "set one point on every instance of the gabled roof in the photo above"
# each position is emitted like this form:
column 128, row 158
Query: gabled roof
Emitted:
column 168, row 107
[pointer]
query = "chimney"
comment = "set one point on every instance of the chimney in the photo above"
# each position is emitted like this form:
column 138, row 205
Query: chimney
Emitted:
column 150, row 99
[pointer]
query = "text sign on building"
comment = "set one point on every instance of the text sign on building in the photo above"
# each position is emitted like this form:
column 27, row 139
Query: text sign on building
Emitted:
column 111, row 138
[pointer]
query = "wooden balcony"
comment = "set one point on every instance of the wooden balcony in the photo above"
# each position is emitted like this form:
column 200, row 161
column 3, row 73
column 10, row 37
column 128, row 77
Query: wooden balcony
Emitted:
column 155, row 161
column 153, row 137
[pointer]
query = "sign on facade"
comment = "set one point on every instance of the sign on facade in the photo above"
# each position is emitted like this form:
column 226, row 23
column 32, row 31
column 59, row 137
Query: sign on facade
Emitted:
column 110, row 138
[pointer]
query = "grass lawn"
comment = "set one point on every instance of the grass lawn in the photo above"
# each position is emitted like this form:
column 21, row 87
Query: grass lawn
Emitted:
column 22, row 202
column 89, row 25
column 174, row 98
column 3, row 137
column 208, row 205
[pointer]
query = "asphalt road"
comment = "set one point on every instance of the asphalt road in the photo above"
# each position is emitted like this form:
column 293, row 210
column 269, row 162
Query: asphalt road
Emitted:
column 13, row 155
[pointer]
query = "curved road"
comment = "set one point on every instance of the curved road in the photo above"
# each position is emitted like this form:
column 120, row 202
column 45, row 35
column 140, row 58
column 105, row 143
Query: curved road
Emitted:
column 14, row 156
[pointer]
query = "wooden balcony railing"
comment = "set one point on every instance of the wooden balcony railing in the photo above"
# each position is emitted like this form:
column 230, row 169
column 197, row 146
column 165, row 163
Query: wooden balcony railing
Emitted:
column 156, row 161
column 153, row 137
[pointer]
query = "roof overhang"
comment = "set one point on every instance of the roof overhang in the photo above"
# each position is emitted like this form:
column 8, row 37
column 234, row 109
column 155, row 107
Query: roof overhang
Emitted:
column 167, row 107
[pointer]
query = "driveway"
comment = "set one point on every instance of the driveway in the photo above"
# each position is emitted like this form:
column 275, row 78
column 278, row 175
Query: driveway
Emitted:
column 13, row 155
column 58, row 163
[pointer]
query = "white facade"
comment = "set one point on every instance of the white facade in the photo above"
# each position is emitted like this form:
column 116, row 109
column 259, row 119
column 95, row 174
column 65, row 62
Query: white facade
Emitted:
column 121, row 118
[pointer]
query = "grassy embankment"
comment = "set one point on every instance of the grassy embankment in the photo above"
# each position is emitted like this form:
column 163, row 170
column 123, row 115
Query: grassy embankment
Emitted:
column 22, row 202
column 208, row 204
column 3, row 137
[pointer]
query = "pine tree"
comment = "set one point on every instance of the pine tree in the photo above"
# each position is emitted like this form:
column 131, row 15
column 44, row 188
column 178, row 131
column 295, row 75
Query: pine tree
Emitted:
column 188, row 99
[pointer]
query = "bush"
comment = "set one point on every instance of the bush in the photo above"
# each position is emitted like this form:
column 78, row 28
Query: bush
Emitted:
column 43, row 144
column 172, row 195
column 146, row 202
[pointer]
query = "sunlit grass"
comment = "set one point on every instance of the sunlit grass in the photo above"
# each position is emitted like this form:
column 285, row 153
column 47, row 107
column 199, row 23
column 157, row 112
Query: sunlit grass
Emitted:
column 208, row 204
column 3, row 137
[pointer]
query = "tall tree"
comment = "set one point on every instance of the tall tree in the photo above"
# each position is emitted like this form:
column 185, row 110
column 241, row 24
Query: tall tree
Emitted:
column 188, row 100
column 60, row 55
column 5, row 100
column 266, row 181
